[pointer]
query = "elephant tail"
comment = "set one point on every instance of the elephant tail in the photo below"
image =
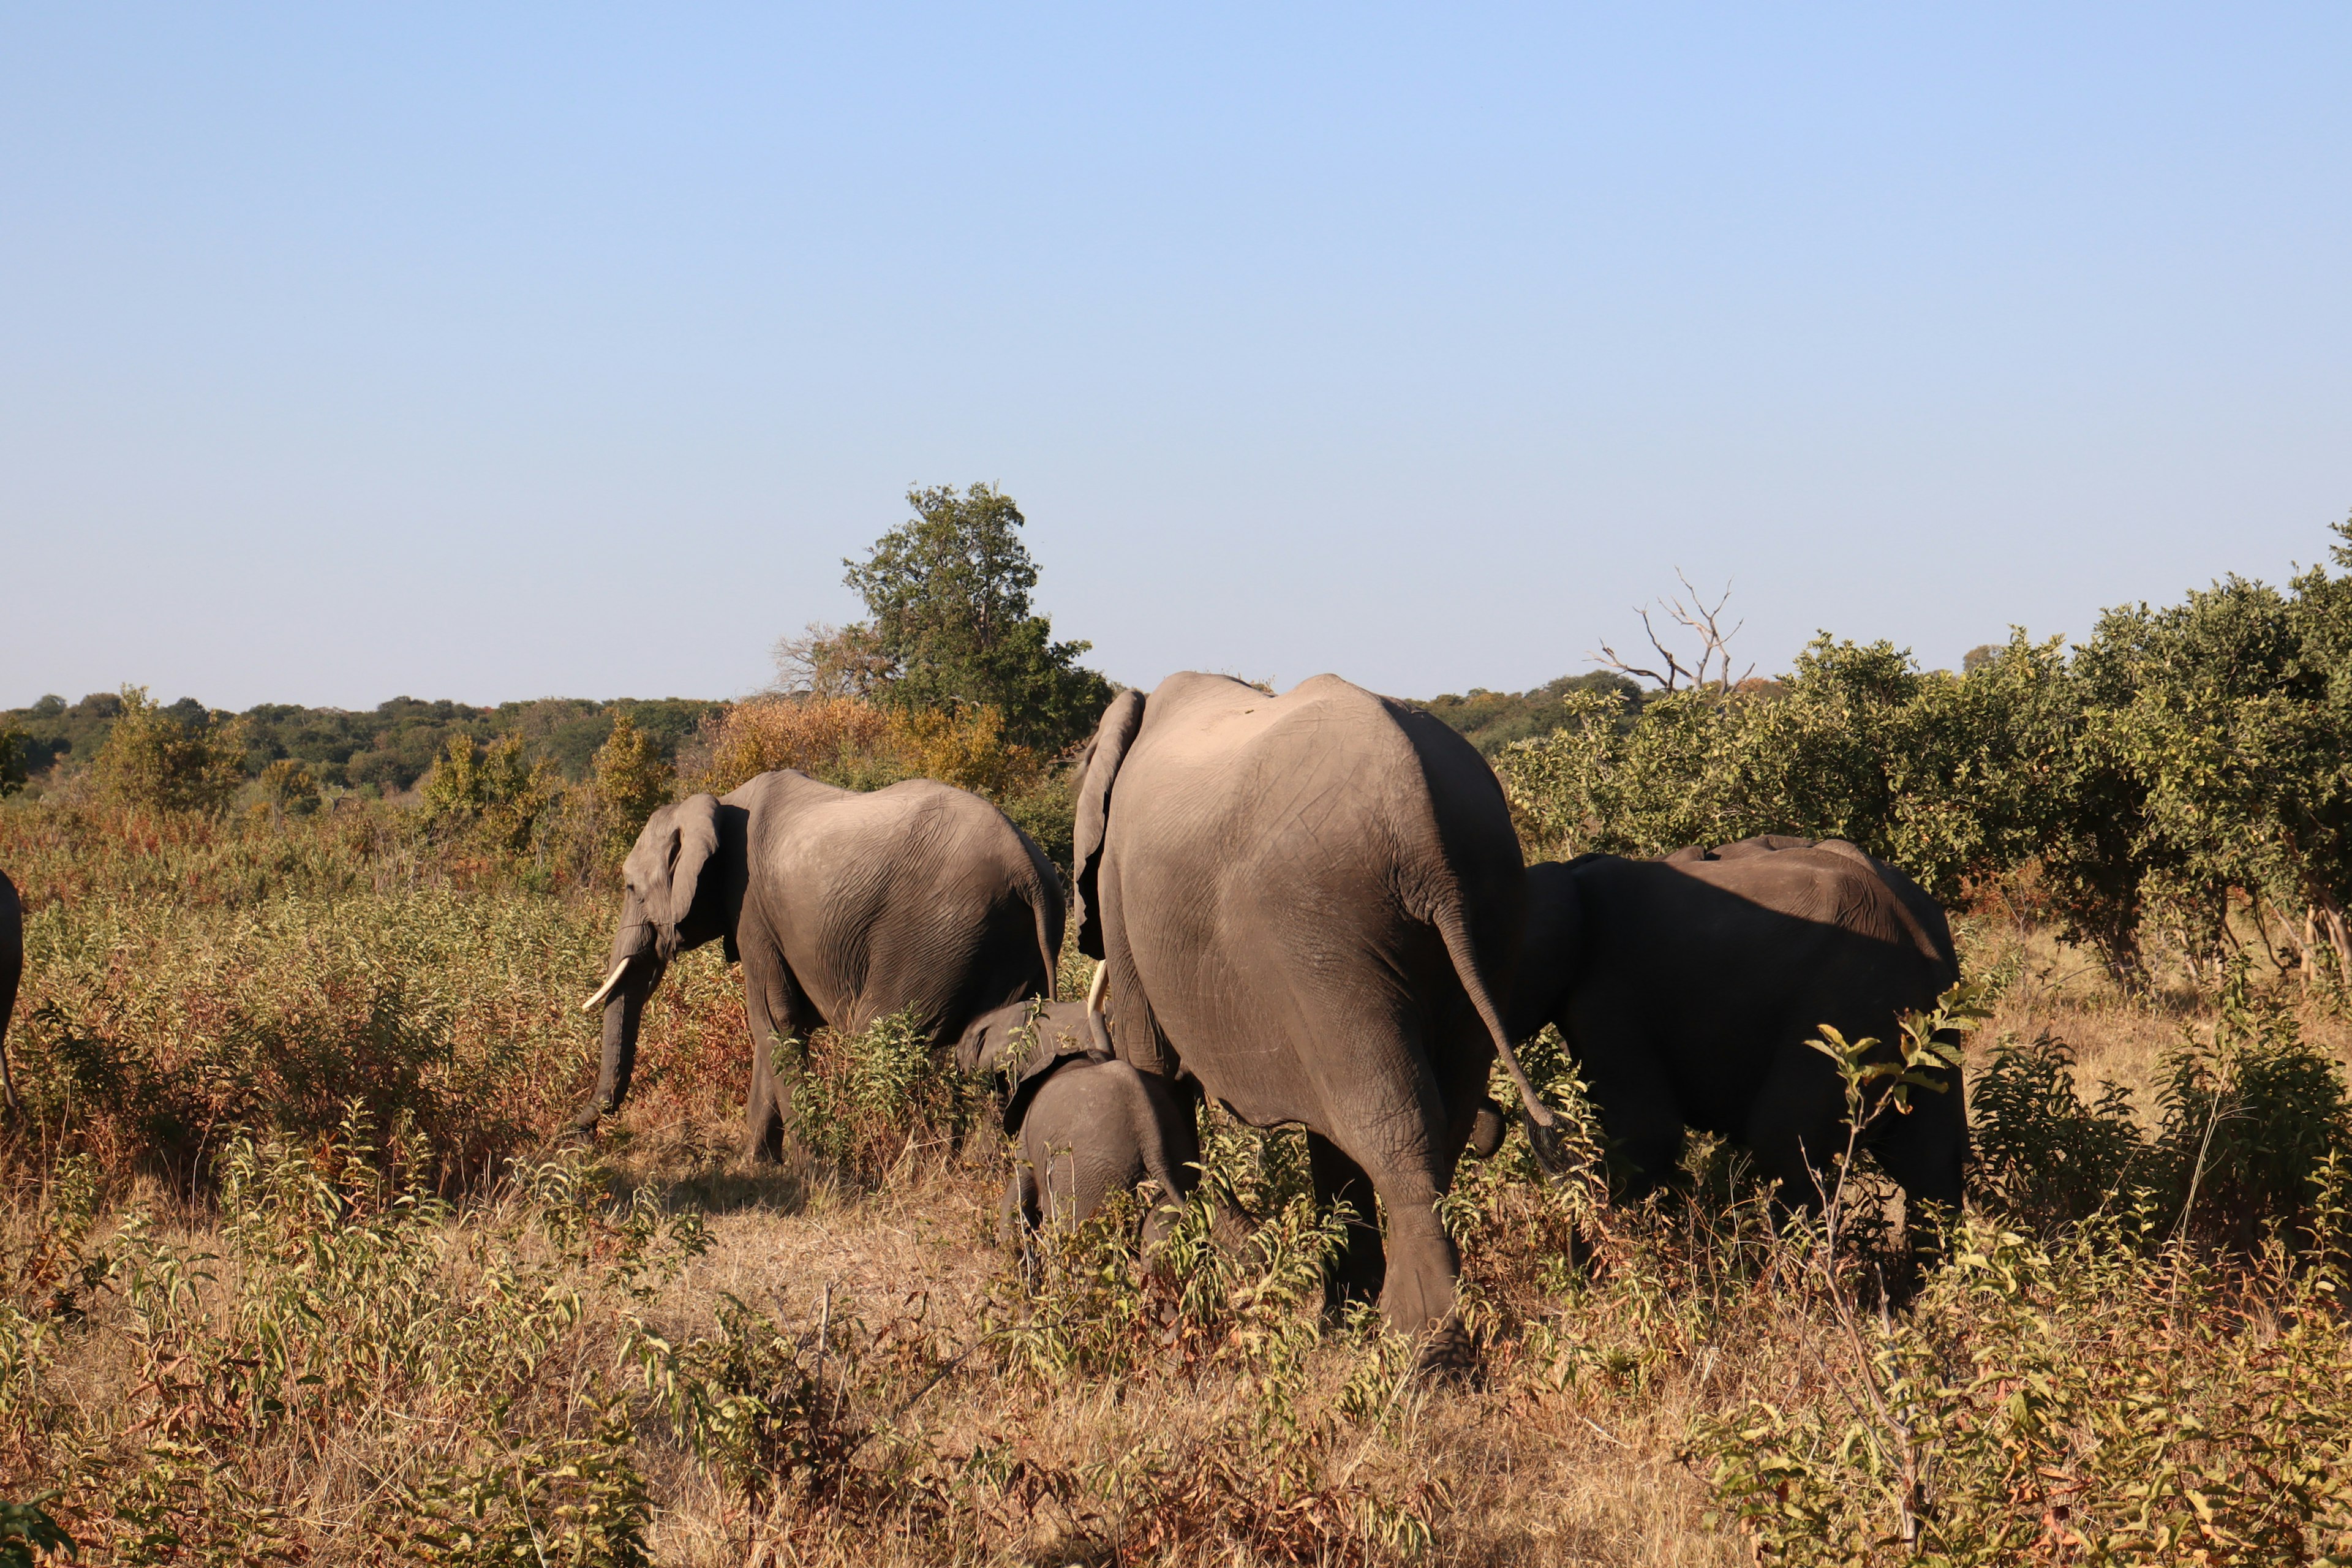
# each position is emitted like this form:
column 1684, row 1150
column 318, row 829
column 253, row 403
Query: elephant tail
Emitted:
column 1543, row 1123
column 1046, row 911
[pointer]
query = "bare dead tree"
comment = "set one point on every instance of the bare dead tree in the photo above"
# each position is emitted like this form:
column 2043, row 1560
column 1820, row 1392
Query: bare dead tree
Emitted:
column 827, row 662
column 1714, row 644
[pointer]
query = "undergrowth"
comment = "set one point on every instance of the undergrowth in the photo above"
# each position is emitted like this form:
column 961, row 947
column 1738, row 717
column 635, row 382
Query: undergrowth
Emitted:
column 290, row 1271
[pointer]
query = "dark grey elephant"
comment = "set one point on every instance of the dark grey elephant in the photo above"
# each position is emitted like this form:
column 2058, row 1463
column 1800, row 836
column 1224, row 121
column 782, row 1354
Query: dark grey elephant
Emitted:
column 12, row 970
column 1088, row 1124
column 1310, row 904
column 1686, row 989
column 842, row 908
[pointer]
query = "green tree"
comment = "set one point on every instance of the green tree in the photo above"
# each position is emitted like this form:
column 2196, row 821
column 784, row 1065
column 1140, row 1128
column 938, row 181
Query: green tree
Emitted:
column 13, row 771
column 951, row 624
column 160, row 761
column 628, row 781
column 501, row 794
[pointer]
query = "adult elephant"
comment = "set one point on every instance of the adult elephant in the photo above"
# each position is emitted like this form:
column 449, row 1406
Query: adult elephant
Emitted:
column 1311, row 904
column 1686, row 989
column 843, row 907
column 12, row 970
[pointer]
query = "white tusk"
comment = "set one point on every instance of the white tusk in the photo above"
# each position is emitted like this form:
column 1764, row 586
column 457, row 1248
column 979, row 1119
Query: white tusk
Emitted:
column 605, row 990
column 1095, row 1026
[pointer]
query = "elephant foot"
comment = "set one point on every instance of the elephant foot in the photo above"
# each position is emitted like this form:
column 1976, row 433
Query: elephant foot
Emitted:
column 1448, row 1354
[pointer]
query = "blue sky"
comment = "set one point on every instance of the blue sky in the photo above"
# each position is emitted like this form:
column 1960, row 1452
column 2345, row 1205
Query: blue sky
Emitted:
column 499, row 351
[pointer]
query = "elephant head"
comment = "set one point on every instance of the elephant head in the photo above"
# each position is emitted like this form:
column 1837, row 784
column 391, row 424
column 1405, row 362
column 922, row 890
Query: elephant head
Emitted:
column 677, row 896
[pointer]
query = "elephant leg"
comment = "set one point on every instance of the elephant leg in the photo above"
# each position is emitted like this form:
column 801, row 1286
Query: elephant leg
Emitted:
column 1644, row 1125
column 1797, row 1129
column 1019, row 1214
column 1361, row 1266
column 773, row 1009
column 1926, row 1152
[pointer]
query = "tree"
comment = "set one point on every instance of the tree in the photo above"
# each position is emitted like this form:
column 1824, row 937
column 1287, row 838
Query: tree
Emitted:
column 13, row 771
column 628, row 781
column 158, row 759
column 951, row 627
column 501, row 794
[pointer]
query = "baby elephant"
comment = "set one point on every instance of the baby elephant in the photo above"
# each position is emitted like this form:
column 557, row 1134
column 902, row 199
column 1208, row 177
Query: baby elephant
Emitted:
column 1090, row 1124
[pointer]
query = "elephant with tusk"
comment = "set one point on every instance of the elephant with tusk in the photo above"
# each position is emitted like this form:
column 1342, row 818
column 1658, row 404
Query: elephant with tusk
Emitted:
column 841, row 907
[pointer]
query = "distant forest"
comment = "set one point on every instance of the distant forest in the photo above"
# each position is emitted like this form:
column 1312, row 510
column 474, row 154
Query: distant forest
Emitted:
column 386, row 750
column 382, row 751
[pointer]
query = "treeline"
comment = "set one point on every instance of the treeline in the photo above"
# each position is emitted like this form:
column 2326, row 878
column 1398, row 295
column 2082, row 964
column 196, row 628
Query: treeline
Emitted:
column 382, row 751
column 954, row 677
column 2179, row 784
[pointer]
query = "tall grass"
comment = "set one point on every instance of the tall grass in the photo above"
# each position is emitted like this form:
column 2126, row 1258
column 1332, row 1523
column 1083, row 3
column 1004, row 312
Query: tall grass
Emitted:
column 290, row 1271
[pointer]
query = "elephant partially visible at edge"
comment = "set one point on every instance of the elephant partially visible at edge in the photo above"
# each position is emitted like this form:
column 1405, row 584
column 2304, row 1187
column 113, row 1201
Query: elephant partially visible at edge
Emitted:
column 1311, row 904
column 843, row 907
column 12, row 970
column 1686, row 989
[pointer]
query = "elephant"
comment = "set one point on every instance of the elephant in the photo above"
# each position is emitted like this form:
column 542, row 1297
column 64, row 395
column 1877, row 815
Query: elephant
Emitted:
column 1310, row 906
column 843, row 907
column 1089, row 1125
column 1686, row 989
column 12, row 970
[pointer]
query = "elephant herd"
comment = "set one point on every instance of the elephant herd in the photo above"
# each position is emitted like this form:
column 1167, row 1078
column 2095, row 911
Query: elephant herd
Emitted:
column 1312, row 909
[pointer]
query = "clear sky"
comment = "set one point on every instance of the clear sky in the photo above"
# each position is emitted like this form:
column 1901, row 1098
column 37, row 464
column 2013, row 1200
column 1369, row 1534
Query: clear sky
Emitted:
column 493, row 351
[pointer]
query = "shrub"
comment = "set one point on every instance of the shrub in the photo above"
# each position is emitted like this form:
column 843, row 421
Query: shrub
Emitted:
column 2078, row 1403
column 2044, row 1158
column 860, row 745
column 443, row 1388
column 288, row 784
column 501, row 796
column 2252, row 1116
column 154, row 759
column 866, row 1101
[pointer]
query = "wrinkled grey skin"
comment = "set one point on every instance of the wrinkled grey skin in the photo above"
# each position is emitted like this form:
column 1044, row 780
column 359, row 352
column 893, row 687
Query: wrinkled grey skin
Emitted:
column 1088, row 1126
column 1309, row 904
column 1687, row 987
column 843, row 907
column 11, row 969
column 1093, row 1129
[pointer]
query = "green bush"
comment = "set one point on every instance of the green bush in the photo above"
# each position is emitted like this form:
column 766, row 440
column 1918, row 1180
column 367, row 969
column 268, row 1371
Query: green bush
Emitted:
column 2044, row 1158
column 158, row 761
column 865, row 1101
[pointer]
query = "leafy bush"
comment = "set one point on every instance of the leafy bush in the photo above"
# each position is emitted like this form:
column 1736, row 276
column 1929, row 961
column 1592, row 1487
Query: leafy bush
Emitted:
column 2175, row 762
column 2252, row 1117
column 868, row 1101
column 2044, row 1158
column 2084, row 1402
column 346, row 1314
column 502, row 796
column 158, row 761
column 860, row 745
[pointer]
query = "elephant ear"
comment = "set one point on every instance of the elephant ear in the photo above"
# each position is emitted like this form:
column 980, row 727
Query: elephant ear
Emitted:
column 1097, row 770
column 693, row 839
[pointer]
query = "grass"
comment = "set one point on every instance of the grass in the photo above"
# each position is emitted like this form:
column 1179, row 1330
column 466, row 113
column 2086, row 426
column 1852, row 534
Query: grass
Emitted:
column 292, row 1270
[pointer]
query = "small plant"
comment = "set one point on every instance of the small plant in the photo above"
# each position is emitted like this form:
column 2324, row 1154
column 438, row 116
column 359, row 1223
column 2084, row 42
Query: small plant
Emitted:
column 866, row 1101
column 2044, row 1158
column 2251, row 1114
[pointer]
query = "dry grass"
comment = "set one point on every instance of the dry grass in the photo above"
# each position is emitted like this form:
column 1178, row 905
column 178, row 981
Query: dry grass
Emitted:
column 944, row 1426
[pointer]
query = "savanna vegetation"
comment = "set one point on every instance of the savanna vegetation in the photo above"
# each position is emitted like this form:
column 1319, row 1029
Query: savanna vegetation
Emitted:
column 295, row 1272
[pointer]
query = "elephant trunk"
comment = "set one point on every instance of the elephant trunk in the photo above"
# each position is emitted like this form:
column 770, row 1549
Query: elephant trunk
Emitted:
column 637, row 968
